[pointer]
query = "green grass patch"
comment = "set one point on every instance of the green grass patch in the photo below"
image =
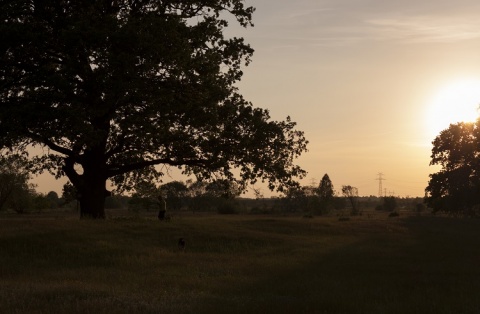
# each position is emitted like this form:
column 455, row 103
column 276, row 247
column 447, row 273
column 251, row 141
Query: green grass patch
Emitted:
column 240, row 264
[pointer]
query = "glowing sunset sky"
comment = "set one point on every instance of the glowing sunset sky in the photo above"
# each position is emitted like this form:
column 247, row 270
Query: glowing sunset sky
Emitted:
column 364, row 80
column 369, row 81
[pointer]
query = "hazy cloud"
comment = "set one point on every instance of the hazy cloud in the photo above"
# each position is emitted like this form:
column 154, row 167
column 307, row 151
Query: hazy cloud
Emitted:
column 426, row 29
column 347, row 22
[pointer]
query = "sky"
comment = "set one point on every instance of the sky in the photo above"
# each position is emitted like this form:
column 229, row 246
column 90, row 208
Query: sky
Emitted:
column 370, row 82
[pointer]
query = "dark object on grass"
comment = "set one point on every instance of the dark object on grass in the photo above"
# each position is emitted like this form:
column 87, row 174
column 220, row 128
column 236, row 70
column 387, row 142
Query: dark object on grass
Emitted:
column 181, row 244
column 394, row 214
column 162, row 214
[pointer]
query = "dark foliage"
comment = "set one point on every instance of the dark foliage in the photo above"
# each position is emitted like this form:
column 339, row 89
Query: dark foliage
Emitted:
column 455, row 189
column 113, row 88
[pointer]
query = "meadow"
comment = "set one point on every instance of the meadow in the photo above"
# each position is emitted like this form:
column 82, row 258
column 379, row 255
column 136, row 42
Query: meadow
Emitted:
column 239, row 264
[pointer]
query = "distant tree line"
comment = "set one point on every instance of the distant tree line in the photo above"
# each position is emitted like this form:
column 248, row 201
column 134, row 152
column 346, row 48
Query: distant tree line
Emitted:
column 221, row 196
column 324, row 200
column 218, row 195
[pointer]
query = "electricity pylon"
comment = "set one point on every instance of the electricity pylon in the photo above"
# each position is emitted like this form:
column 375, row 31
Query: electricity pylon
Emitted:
column 380, row 179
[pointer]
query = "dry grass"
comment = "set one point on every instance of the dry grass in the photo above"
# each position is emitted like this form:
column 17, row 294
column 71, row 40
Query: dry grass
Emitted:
column 239, row 264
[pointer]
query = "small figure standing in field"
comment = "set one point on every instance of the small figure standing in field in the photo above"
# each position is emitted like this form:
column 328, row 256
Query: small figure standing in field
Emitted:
column 181, row 244
column 163, row 208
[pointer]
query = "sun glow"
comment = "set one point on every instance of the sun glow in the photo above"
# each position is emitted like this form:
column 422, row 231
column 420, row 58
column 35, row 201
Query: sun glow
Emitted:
column 457, row 101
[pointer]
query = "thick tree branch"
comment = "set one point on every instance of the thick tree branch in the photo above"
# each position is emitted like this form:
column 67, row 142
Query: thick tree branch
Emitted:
column 51, row 145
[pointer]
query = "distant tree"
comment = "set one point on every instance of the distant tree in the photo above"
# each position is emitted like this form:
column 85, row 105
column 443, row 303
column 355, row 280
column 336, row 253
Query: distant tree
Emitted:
column 174, row 192
column 222, row 194
column 111, row 89
column 42, row 201
column 146, row 189
column 295, row 199
column 69, row 193
column 209, row 195
column 223, row 188
column 326, row 193
column 53, row 199
column 456, row 187
column 22, row 199
column 145, row 197
column 196, row 199
column 14, row 186
column 351, row 193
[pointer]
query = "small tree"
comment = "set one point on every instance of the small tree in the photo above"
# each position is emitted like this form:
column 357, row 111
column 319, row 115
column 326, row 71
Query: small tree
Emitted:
column 325, row 192
column 351, row 193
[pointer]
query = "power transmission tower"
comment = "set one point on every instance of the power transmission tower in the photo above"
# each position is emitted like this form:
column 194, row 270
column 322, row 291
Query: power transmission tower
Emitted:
column 380, row 179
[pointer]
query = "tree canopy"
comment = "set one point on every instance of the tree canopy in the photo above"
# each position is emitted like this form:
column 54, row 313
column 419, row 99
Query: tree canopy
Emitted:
column 325, row 189
column 351, row 193
column 455, row 188
column 116, row 89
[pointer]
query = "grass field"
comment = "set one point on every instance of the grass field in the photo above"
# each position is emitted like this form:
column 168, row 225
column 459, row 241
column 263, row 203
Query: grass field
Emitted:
column 239, row 264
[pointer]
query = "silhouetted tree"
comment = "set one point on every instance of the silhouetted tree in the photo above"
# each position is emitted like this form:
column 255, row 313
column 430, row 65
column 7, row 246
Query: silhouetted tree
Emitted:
column 196, row 195
column 14, row 176
column 146, row 197
column 41, row 201
column 351, row 193
column 113, row 88
column 174, row 192
column 69, row 193
column 325, row 188
column 223, row 188
column 295, row 199
column 456, row 187
column 325, row 192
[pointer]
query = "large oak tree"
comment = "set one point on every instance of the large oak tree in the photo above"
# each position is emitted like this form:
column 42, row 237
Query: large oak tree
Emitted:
column 114, row 89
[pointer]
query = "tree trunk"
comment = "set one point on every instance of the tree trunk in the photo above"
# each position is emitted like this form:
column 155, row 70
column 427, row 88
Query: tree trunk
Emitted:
column 92, row 190
column 92, row 200
column 91, row 184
